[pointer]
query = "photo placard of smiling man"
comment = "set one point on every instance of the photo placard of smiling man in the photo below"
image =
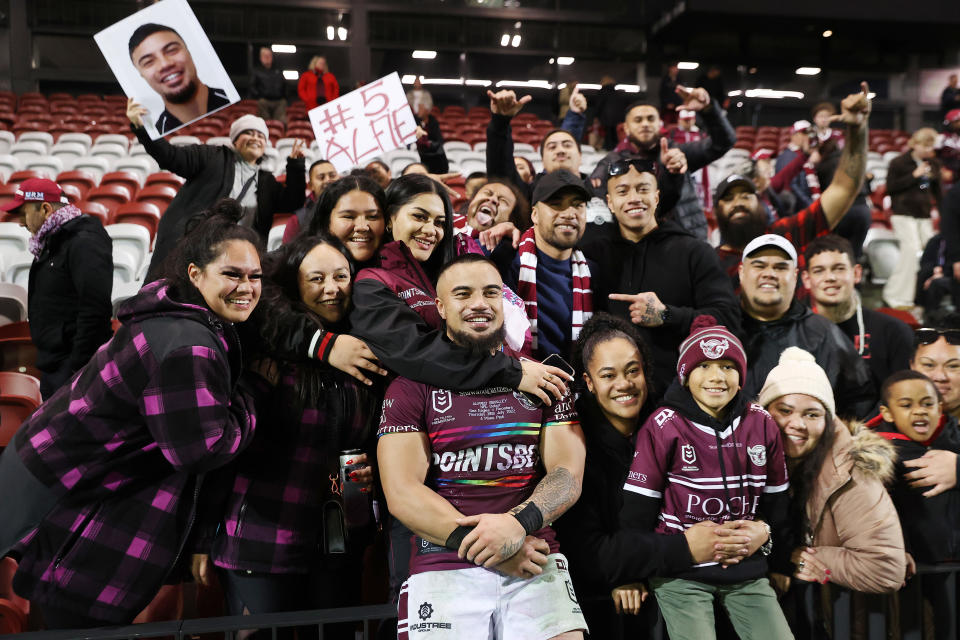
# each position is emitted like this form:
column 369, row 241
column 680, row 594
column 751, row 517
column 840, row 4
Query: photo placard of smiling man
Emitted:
column 164, row 60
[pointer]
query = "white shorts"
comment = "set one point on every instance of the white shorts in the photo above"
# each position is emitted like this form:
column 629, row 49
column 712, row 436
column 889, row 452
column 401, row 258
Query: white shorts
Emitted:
column 476, row 603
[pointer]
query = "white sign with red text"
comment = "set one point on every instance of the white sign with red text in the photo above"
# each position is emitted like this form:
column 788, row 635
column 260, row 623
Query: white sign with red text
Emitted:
column 364, row 124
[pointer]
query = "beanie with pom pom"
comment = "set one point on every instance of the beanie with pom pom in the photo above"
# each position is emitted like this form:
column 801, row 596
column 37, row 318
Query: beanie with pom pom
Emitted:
column 798, row 372
column 710, row 341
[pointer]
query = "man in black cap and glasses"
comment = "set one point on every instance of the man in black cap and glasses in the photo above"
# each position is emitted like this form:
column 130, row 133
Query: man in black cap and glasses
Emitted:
column 662, row 277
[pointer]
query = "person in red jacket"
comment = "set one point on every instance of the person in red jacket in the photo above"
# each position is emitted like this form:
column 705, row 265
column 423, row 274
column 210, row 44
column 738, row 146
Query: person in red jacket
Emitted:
column 317, row 85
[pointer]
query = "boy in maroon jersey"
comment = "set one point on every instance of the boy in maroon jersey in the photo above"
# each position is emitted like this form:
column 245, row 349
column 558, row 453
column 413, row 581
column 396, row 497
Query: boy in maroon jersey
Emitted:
column 478, row 476
column 709, row 454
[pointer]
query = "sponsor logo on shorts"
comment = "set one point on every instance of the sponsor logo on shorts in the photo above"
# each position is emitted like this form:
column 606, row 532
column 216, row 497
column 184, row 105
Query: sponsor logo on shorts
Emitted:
column 758, row 454
column 425, row 611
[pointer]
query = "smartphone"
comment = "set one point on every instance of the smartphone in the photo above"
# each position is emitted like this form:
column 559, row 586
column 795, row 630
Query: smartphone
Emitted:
column 554, row 360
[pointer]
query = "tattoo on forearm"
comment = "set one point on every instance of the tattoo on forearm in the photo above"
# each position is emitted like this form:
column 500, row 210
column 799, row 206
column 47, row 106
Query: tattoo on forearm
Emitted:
column 853, row 162
column 554, row 494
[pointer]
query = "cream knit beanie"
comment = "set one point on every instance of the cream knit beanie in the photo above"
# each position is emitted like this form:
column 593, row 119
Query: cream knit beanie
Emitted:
column 797, row 372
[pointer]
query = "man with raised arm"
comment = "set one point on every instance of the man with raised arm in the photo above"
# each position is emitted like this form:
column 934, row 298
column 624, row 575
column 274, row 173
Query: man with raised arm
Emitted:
column 478, row 476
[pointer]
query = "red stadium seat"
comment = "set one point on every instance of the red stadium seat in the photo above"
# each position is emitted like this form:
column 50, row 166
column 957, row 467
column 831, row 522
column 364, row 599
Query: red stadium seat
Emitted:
column 164, row 177
column 110, row 195
column 158, row 194
column 19, row 397
column 127, row 178
column 145, row 214
column 95, row 209
column 7, row 193
column 19, row 176
column 73, row 193
column 82, row 180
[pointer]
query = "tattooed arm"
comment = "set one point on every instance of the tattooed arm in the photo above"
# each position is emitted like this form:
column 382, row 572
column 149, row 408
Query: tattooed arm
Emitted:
column 496, row 537
column 646, row 309
column 848, row 178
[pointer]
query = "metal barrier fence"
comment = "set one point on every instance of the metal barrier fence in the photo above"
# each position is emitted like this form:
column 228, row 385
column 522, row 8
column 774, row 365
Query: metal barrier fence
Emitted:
column 849, row 615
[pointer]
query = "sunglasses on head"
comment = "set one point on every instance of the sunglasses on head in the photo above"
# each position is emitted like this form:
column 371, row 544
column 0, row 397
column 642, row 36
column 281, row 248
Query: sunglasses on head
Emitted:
column 927, row 335
column 620, row 167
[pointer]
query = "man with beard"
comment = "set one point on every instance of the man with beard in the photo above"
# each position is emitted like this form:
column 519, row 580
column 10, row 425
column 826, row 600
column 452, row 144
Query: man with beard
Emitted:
column 477, row 476
column 773, row 319
column 662, row 276
column 547, row 269
column 741, row 217
column 831, row 276
column 162, row 58
column 642, row 125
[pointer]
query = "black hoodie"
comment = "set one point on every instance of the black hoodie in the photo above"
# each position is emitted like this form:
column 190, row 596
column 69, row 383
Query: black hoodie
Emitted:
column 682, row 271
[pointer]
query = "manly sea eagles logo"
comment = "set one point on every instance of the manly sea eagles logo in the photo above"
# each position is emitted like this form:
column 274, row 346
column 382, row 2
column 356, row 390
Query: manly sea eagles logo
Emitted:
column 442, row 400
column 758, row 454
column 687, row 454
column 714, row 348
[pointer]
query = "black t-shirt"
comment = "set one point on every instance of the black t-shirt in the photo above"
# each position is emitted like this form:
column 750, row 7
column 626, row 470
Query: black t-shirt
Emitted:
column 887, row 343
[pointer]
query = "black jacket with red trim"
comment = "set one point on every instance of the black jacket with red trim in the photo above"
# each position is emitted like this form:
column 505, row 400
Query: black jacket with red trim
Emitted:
column 931, row 525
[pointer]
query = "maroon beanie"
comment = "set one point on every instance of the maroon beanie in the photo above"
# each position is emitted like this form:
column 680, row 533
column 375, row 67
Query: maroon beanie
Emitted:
column 710, row 341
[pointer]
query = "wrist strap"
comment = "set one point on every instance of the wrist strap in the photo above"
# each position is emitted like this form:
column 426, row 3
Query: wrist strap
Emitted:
column 455, row 539
column 530, row 517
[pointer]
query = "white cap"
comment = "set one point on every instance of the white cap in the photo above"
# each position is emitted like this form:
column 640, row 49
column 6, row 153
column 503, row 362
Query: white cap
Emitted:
column 801, row 125
column 246, row 123
column 771, row 240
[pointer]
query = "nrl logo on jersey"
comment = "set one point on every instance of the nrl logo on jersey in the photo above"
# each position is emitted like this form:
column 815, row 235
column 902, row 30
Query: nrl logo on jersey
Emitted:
column 714, row 348
column 687, row 454
column 758, row 454
column 442, row 400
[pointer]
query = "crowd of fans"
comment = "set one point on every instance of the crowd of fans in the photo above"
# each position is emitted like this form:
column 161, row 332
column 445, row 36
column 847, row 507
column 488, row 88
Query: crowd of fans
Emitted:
column 382, row 407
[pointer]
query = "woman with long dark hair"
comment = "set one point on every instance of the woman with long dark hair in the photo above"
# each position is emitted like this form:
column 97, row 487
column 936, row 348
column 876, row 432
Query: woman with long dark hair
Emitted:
column 352, row 209
column 849, row 532
column 294, row 530
column 106, row 476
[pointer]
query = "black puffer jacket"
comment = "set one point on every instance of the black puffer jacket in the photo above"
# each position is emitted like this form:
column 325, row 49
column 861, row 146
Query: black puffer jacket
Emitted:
column 69, row 294
column 800, row 327
column 209, row 171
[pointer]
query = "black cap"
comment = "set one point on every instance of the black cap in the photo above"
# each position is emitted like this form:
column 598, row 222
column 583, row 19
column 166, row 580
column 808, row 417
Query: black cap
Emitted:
column 550, row 183
column 731, row 181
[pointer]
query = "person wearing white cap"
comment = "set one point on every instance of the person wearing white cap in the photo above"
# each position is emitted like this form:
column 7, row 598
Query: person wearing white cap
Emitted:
column 774, row 320
column 850, row 533
column 213, row 172
column 803, row 186
column 740, row 215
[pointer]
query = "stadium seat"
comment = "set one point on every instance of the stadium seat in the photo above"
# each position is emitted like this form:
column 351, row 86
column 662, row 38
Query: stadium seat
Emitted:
column 125, row 268
column 126, row 178
column 77, row 137
column 94, row 165
column 275, row 237
column 19, row 397
column 95, row 209
column 74, row 195
column 68, row 152
column 130, row 238
column 17, row 351
column 26, row 174
column 83, row 180
column 13, row 238
column 221, row 140
column 17, row 268
column 110, row 195
column 179, row 141
column 138, row 167
column 13, row 303
column 142, row 214
column 7, row 192
column 108, row 150
column 8, row 166
column 39, row 136
column 113, row 138
column 164, row 177
column 469, row 165
column 26, row 149
column 456, row 145
column 158, row 194
column 6, row 141
column 122, row 291
column 49, row 166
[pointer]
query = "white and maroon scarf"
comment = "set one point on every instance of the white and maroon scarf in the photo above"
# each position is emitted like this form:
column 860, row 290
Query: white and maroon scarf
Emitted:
column 527, row 285
column 51, row 225
column 813, row 182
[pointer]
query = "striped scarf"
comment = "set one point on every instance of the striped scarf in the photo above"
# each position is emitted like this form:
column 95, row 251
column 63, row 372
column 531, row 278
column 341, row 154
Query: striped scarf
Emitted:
column 813, row 183
column 527, row 285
